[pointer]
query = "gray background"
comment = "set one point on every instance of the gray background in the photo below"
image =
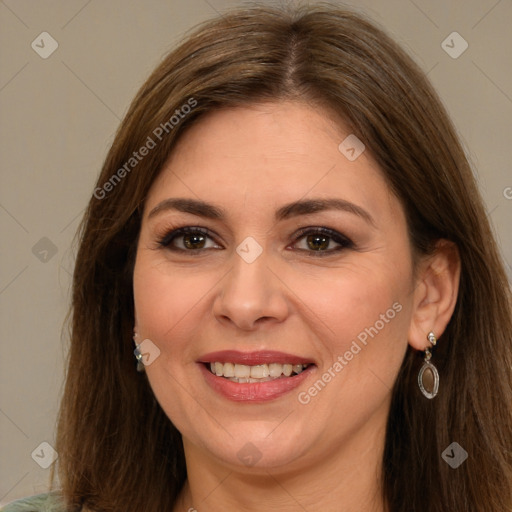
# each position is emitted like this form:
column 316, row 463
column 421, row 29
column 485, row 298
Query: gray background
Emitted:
column 59, row 116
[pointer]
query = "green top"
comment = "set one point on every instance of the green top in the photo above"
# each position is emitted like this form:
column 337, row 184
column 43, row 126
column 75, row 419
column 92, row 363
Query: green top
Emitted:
column 49, row 502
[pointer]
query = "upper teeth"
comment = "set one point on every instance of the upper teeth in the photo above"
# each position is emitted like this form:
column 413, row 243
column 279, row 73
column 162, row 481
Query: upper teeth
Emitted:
column 260, row 371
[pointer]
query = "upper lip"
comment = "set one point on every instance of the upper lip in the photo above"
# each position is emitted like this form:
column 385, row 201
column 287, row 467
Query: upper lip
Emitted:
column 253, row 358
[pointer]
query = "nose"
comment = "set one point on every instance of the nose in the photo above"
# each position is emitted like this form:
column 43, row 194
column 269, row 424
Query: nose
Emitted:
column 251, row 295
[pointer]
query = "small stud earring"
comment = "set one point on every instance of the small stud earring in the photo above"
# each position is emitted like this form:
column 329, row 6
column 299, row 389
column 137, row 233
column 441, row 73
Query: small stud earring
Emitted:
column 428, row 377
column 137, row 352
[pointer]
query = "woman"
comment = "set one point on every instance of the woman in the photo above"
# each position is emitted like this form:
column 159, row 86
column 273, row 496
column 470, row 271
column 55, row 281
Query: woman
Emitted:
column 288, row 227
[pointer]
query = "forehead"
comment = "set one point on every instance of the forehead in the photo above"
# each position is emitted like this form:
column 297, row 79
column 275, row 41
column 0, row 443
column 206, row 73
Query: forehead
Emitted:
column 269, row 154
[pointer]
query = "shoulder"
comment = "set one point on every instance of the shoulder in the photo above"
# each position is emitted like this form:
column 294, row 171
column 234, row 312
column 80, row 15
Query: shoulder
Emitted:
column 48, row 502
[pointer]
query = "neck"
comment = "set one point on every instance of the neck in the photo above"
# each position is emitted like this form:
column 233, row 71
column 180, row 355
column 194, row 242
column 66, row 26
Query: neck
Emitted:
column 348, row 479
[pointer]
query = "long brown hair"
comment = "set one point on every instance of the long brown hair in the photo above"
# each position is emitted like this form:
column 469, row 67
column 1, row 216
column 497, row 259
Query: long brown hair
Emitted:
column 117, row 448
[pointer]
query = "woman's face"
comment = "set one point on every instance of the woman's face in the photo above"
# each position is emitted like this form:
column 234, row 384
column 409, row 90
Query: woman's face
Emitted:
column 296, row 254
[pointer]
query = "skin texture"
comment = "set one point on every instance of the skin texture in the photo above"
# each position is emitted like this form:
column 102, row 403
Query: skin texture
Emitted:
column 325, row 454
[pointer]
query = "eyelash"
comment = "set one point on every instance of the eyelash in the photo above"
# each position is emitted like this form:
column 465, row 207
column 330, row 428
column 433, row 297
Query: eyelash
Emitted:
column 343, row 241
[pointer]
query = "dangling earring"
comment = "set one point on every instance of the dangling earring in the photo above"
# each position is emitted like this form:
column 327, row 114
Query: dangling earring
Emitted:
column 137, row 352
column 428, row 378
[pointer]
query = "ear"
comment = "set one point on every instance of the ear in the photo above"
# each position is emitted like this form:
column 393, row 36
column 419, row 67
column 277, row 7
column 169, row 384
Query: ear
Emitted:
column 435, row 294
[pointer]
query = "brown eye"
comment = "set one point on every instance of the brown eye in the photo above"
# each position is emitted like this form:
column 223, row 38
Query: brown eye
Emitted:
column 186, row 239
column 318, row 240
column 192, row 241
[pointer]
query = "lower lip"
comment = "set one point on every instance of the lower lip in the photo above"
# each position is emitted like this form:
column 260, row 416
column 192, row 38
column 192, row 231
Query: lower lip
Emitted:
column 254, row 391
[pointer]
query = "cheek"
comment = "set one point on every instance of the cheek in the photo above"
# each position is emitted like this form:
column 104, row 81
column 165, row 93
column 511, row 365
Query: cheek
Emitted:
column 356, row 304
column 363, row 343
column 167, row 303
column 167, row 306
column 365, row 314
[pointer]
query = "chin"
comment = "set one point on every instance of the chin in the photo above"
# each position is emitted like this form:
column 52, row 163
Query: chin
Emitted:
column 256, row 445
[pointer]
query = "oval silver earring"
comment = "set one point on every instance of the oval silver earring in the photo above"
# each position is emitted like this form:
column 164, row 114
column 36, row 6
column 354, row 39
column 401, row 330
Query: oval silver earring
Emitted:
column 428, row 377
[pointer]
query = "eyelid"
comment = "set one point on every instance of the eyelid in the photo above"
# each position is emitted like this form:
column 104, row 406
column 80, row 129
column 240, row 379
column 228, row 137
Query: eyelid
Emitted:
column 323, row 230
column 342, row 240
column 173, row 233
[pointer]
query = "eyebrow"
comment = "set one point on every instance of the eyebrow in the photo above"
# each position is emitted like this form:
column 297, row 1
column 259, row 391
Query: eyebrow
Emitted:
column 295, row 209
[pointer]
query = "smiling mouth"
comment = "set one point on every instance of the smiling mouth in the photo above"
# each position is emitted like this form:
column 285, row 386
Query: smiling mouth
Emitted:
column 242, row 373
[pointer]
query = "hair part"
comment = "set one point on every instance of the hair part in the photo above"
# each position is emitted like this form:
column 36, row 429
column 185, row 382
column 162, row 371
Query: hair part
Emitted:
column 117, row 448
